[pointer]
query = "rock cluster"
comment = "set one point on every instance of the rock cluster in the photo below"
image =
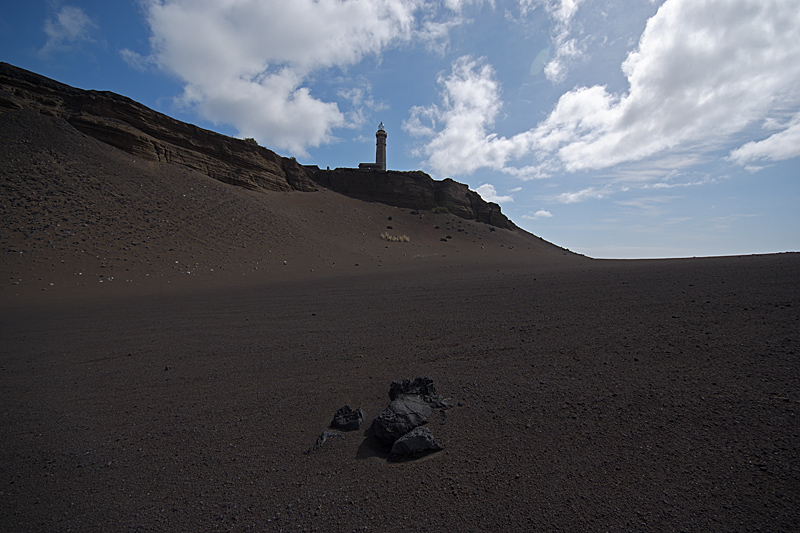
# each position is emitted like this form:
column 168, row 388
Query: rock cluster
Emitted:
column 398, row 426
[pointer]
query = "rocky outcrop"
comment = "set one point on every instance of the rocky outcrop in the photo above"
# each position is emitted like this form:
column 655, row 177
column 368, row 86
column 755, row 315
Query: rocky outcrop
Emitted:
column 138, row 130
column 413, row 190
column 398, row 427
column 143, row 132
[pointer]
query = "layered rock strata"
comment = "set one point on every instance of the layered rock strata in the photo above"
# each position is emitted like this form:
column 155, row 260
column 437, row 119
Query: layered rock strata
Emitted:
column 143, row 132
column 413, row 190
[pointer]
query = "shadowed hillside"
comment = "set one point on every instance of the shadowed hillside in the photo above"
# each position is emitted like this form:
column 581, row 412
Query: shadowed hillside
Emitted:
column 153, row 136
column 78, row 214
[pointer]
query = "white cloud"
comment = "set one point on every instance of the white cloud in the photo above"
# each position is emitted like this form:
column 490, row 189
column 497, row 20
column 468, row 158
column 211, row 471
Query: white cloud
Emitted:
column 470, row 103
column 777, row 147
column 362, row 102
column 489, row 193
column 694, row 183
column 434, row 28
column 589, row 193
column 567, row 49
column 703, row 72
column 530, row 172
column 541, row 213
column 135, row 60
column 248, row 62
column 456, row 5
column 422, row 122
column 648, row 205
column 68, row 27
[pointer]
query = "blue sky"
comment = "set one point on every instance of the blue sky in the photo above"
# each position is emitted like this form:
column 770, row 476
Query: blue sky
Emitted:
column 620, row 129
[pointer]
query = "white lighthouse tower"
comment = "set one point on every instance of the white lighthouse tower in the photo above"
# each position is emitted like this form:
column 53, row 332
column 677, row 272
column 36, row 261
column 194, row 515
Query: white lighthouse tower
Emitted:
column 380, row 151
column 380, row 147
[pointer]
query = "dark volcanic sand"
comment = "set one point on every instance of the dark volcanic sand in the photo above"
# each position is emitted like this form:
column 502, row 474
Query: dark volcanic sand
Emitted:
column 588, row 395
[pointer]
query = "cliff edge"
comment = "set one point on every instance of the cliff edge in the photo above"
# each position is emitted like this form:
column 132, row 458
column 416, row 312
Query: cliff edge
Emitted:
column 414, row 190
column 143, row 132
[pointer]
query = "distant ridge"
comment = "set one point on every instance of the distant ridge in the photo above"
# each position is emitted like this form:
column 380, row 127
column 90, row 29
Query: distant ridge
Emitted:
column 143, row 132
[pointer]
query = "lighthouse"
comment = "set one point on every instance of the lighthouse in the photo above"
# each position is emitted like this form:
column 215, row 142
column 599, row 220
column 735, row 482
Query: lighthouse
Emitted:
column 380, row 151
column 380, row 147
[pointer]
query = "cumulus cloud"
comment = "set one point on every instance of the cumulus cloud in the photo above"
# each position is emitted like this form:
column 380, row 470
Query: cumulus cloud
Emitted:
column 489, row 193
column 460, row 141
column 68, row 27
column 777, row 147
column 248, row 62
column 703, row 72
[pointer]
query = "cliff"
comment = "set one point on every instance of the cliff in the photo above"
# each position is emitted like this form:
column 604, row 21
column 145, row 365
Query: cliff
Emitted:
column 141, row 131
column 415, row 190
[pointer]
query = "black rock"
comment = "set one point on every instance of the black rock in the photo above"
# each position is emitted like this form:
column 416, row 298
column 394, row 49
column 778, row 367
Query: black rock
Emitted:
column 416, row 441
column 348, row 419
column 321, row 440
column 403, row 414
column 422, row 387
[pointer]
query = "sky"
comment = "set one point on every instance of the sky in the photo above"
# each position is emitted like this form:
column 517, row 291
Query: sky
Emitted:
column 613, row 128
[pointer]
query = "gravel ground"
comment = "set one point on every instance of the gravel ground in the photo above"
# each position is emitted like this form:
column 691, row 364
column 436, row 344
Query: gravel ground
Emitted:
column 586, row 394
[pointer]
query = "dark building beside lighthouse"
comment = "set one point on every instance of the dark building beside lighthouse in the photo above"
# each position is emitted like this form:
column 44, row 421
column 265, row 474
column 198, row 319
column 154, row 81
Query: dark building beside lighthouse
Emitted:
column 380, row 151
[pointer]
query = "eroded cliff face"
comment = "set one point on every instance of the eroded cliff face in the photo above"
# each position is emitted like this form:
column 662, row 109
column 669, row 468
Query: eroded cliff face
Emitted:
column 143, row 132
column 414, row 190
